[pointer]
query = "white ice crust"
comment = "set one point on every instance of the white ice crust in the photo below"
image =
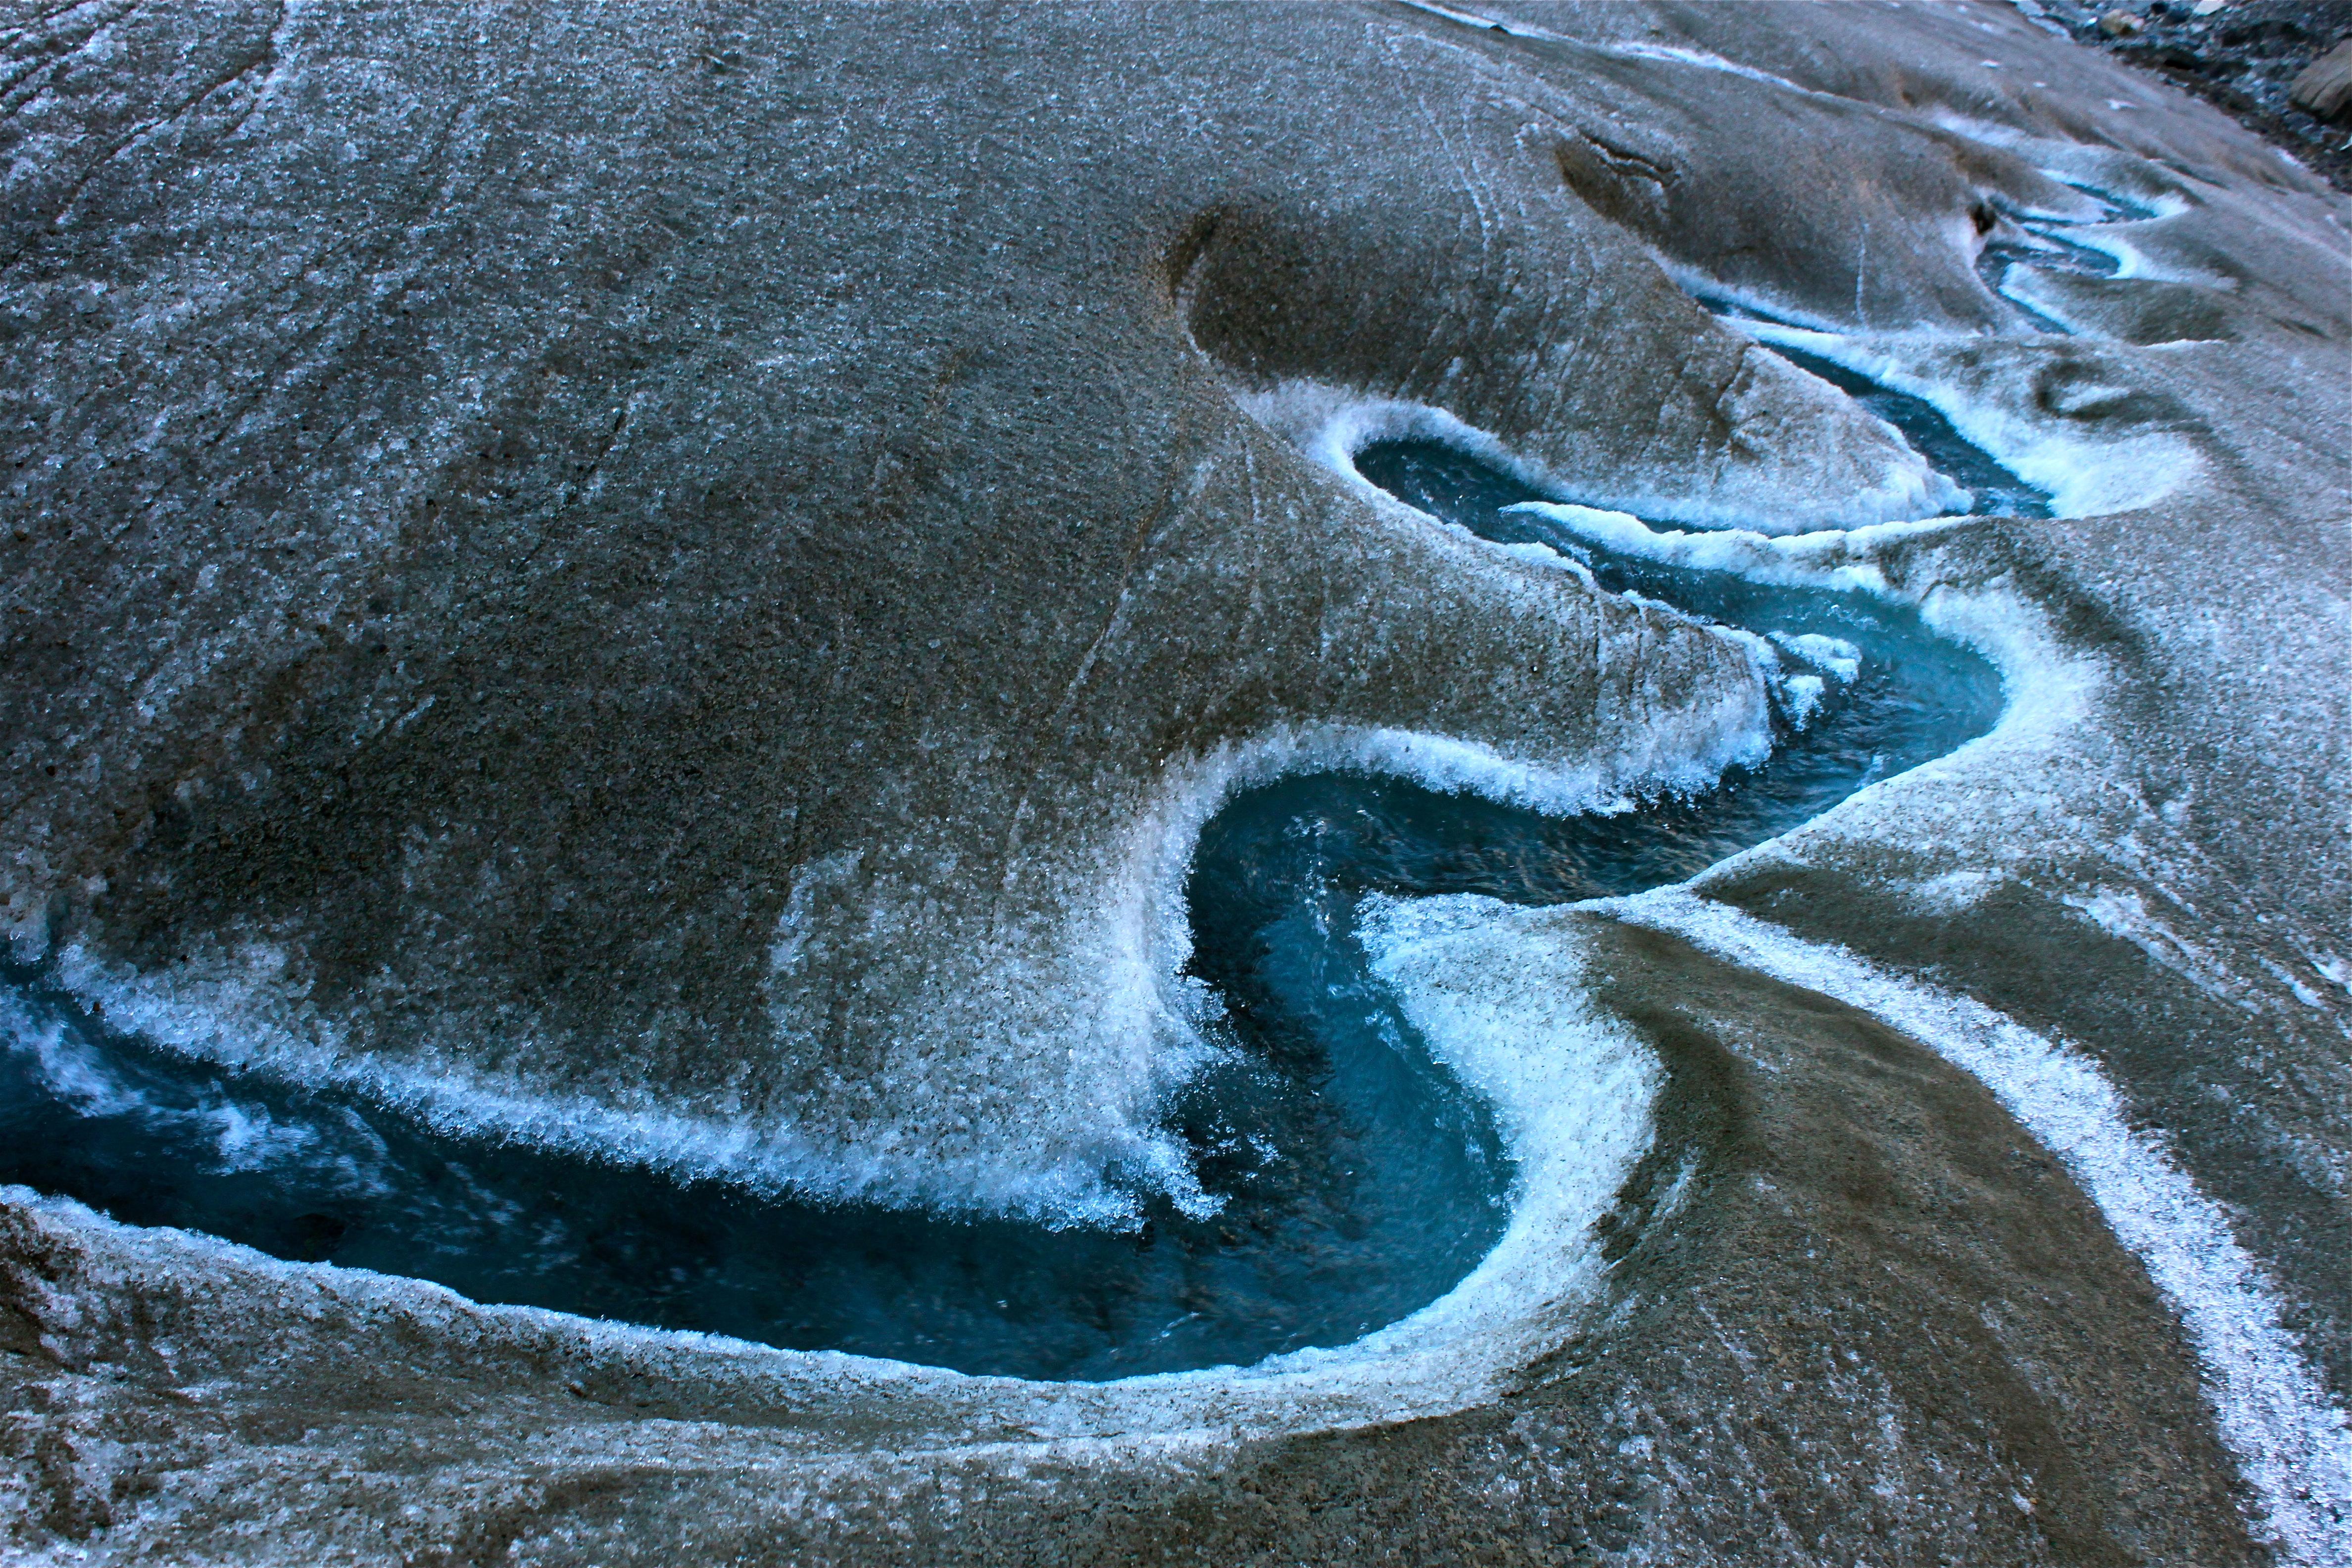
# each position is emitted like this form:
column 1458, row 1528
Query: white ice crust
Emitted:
column 244, row 1007
column 2083, row 476
column 1499, row 995
column 2291, row 1442
column 1332, row 424
column 1504, row 1008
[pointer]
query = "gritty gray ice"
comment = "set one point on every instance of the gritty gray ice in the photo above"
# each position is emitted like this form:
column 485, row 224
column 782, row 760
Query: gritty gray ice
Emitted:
column 679, row 580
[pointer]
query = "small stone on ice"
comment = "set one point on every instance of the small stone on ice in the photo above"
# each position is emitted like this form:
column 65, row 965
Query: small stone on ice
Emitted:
column 2325, row 86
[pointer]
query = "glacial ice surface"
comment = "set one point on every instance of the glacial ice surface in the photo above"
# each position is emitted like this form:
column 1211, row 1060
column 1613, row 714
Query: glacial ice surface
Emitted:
column 1354, row 1178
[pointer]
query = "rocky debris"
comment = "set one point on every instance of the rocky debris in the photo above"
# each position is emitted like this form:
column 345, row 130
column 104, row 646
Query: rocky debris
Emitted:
column 2247, row 57
column 2325, row 86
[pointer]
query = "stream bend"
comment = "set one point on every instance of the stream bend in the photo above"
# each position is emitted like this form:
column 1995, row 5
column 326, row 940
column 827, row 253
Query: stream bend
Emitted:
column 1359, row 1179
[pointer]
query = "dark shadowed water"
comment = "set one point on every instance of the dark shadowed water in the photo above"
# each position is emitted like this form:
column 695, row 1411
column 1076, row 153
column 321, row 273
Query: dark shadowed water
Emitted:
column 1360, row 1181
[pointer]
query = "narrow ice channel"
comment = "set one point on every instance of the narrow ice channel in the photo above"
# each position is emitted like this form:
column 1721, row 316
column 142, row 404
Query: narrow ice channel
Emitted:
column 1358, row 1178
column 1404, row 1194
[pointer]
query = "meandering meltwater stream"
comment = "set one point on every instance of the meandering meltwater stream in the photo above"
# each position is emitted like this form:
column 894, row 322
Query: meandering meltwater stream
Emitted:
column 1358, row 1180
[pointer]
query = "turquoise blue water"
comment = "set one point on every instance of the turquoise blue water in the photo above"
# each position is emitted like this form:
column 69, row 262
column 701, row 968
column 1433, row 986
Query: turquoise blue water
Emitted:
column 1358, row 1180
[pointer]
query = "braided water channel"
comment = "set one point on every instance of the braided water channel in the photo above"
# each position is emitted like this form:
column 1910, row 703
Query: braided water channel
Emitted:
column 1358, row 1180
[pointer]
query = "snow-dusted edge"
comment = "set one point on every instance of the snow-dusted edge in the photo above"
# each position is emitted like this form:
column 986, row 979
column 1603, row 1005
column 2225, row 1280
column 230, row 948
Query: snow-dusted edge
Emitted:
column 1136, row 938
column 2292, row 1444
column 1330, row 425
column 2085, row 475
column 242, row 1006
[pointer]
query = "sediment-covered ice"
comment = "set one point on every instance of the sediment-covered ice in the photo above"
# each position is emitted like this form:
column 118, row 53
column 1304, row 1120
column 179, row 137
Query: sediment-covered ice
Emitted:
column 2292, row 1440
column 686, row 585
